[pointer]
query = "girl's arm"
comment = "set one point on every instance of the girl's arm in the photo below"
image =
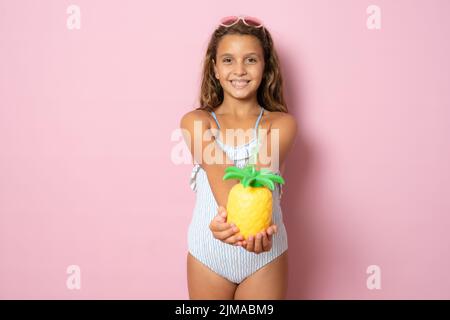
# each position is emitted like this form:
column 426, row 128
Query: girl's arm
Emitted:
column 284, row 130
column 214, row 171
column 284, row 124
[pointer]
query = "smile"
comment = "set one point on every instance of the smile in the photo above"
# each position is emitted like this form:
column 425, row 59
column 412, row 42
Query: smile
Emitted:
column 239, row 84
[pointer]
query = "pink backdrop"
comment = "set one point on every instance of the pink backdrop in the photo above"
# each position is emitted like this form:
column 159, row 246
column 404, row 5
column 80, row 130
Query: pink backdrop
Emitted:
column 86, row 117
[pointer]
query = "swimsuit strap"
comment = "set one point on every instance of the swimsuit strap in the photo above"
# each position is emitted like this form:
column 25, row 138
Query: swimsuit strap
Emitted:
column 215, row 118
column 259, row 118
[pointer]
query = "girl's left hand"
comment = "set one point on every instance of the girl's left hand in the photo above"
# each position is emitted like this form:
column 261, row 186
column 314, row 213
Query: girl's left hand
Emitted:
column 261, row 242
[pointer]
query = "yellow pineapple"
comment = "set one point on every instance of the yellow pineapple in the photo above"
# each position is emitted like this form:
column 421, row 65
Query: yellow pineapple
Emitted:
column 249, row 204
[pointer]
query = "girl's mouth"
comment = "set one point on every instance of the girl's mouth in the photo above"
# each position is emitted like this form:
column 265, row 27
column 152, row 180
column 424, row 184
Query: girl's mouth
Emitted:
column 239, row 84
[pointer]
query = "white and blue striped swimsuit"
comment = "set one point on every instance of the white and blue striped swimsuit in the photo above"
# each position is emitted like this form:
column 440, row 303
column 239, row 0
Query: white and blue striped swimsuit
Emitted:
column 231, row 262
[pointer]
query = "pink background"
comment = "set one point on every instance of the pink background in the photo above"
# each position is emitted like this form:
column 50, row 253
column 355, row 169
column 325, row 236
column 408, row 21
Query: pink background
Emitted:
column 86, row 118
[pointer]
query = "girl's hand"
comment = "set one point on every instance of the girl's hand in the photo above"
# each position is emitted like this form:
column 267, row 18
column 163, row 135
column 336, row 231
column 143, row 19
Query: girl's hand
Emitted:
column 224, row 231
column 262, row 241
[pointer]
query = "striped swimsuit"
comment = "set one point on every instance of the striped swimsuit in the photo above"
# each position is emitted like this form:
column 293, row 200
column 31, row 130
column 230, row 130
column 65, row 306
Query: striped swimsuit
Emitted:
column 231, row 262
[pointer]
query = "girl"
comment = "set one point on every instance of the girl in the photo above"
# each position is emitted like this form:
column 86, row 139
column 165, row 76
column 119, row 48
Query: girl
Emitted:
column 241, row 89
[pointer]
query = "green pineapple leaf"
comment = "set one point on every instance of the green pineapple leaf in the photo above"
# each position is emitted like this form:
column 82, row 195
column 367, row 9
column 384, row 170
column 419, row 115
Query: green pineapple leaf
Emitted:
column 246, row 181
column 249, row 176
column 275, row 178
column 267, row 182
column 265, row 171
column 233, row 175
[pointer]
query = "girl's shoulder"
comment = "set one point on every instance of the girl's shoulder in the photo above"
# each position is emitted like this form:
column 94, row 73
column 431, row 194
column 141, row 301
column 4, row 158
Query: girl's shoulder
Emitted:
column 198, row 115
column 276, row 118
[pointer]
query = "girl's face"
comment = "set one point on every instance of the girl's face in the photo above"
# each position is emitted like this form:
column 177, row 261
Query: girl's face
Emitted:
column 239, row 65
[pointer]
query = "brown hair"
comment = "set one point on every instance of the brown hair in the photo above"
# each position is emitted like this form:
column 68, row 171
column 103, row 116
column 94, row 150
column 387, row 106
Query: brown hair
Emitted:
column 270, row 91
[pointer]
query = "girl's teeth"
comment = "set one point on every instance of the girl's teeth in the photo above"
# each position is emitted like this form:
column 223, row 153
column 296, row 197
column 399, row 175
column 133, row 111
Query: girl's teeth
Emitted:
column 239, row 84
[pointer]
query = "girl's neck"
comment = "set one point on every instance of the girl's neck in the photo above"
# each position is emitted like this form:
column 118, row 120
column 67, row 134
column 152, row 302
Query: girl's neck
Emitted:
column 239, row 109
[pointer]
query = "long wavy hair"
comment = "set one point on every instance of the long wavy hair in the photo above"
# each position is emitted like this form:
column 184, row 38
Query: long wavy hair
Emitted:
column 270, row 91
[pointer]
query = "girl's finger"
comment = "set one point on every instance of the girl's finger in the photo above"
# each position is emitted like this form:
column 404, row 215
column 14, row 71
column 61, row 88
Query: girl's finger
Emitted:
column 227, row 233
column 250, row 243
column 234, row 240
column 222, row 212
column 220, row 219
column 258, row 243
column 222, row 226
column 273, row 229
column 267, row 242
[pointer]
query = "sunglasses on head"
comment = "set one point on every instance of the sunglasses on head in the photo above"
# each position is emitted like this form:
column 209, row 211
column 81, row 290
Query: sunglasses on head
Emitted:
column 249, row 21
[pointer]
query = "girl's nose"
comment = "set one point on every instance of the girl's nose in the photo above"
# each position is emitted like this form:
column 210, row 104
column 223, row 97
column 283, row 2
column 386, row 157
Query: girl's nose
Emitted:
column 240, row 69
column 241, row 72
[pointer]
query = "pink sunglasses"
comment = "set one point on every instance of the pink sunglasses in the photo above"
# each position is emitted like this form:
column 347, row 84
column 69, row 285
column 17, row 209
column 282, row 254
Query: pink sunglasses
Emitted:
column 249, row 21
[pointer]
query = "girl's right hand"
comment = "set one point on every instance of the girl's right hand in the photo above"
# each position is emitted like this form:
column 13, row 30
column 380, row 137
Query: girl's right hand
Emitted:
column 223, row 231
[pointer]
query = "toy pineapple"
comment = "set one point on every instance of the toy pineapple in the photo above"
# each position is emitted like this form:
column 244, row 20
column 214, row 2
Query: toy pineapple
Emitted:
column 249, row 203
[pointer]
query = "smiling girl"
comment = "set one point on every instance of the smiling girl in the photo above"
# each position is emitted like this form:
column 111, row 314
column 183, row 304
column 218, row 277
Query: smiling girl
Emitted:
column 241, row 89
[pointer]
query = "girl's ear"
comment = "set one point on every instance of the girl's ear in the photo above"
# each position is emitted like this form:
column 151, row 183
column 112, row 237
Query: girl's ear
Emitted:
column 216, row 74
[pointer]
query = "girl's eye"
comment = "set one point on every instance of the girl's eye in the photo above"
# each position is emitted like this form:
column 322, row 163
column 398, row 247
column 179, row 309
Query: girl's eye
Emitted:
column 226, row 60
